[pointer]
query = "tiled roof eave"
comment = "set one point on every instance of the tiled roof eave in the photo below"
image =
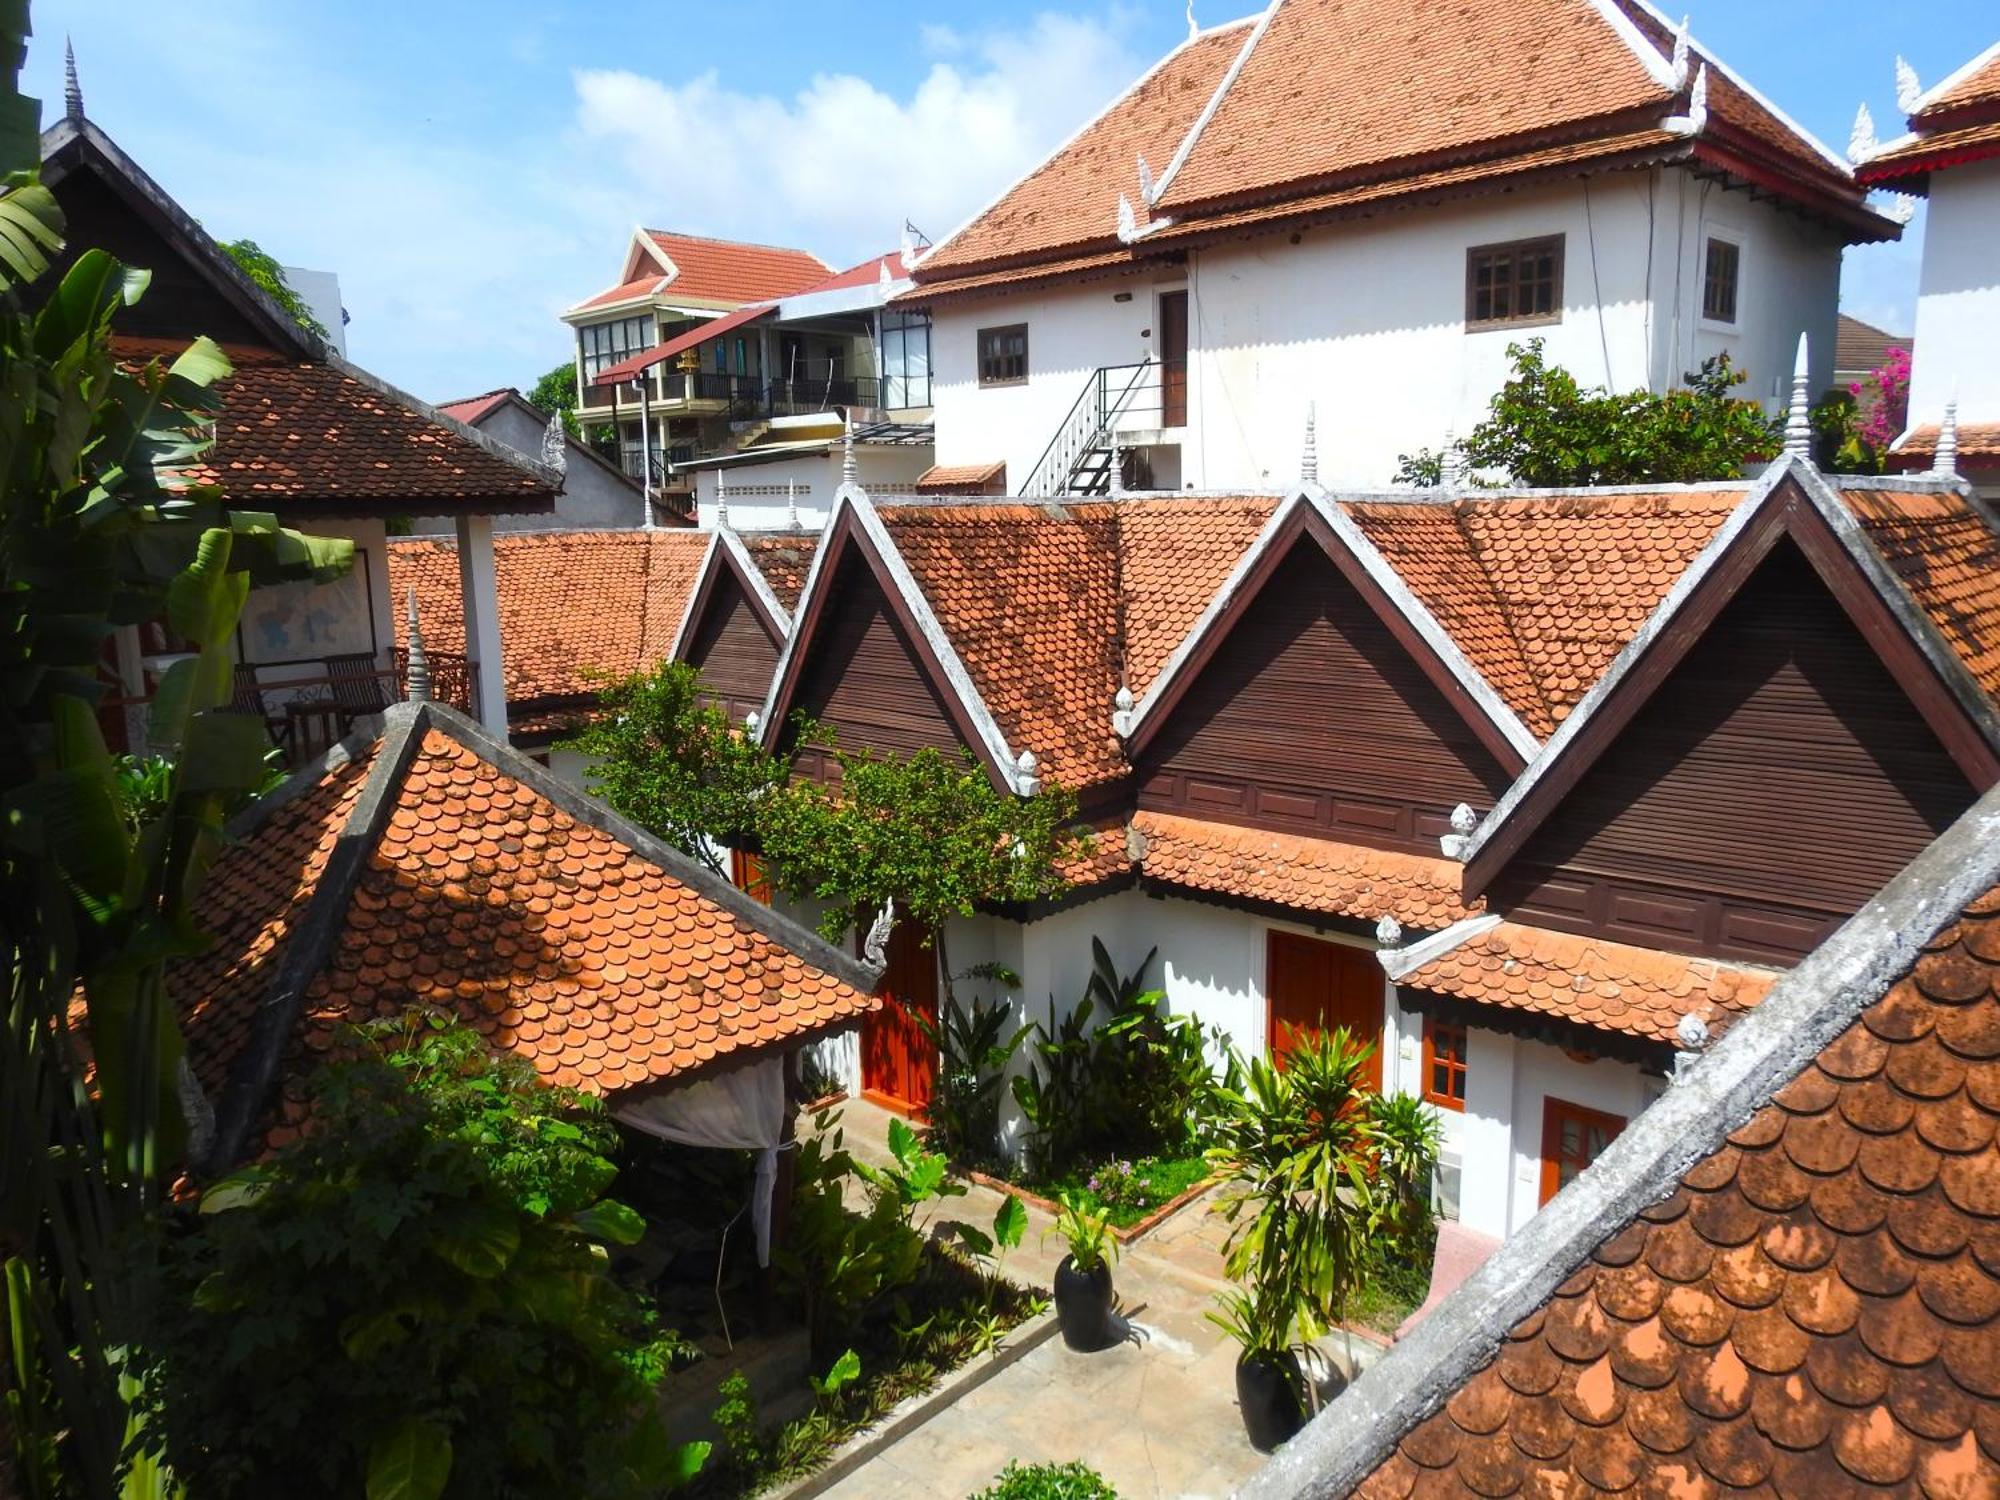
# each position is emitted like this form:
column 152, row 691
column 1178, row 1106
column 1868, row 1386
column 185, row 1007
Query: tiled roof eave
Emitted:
column 1907, row 167
column 1838, row 200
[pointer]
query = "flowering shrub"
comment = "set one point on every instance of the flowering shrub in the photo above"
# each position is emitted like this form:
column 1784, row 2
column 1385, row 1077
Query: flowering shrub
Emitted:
column 1882, row 401
column 1122, row 1182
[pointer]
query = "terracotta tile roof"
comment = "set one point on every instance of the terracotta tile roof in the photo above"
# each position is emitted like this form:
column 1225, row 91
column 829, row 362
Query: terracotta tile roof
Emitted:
column 734, row 271
column 1978, row 443
column 1501, row 173
column 1813, row 1310
column 1906, row 162
column 979, row 283
column 627, row 291
column 1304, row 874
column 1589, row 981
column 1947, row 555
column 962, row 479
column 472, row 408
column 1541, row 592
column 574, row 605
column 784, row 558
column 1028, row 596
column 1174, row 555
column 603, row 962
column 1863, row 346
column 1337, row 86
column 250, row 905
column 1979, row 85
column 1072, row 199
column 297, row 433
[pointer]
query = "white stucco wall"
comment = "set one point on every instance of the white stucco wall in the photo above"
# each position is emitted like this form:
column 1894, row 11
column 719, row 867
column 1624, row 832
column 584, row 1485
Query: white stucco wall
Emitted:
column 757, row 500
column 1958, row 298
column 1366, row 319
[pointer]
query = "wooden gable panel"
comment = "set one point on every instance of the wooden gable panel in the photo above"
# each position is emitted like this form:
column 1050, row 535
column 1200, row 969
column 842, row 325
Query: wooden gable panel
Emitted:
column 731, row 649
column 865, row 677
column 182, row 301
column 1775, row 781
column 1311, row 717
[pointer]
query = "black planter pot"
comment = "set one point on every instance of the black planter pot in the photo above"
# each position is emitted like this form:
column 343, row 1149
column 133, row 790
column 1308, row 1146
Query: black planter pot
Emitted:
column 1083, row 1305
column 1267, row 1391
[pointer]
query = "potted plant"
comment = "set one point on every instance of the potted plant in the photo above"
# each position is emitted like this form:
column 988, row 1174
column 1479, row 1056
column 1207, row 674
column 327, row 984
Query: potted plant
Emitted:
column 1270, row 1385
column 1083, row 1280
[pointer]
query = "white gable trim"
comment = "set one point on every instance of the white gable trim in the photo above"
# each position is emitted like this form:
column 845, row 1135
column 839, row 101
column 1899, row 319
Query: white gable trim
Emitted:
column 1623, row 664
column 1383, row 575
column 1186, row 147
column 1072, row 138
column 708, row 564
column 1951, row 80
column 1659, row 69
column 957, row 679
column 1398, row 962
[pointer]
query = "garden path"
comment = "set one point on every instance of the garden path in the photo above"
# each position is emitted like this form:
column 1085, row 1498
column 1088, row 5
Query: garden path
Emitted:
column 1156, row 1415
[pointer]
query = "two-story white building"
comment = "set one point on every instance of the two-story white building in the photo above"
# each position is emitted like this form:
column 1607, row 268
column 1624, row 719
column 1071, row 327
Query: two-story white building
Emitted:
column 1305, row 208
column 1951, row 155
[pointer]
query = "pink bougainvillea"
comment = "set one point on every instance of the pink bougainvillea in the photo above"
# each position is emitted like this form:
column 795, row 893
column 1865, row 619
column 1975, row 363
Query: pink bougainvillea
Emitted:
column 1882, row 401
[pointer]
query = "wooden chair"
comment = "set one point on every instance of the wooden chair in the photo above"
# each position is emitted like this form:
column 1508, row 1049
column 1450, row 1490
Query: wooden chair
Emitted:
column 249, row 699
column 357, row 686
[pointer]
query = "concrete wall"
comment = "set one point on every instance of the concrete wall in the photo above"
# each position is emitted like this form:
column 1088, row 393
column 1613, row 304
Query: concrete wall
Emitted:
column 593, row 494
column 757, row 500
column 1958, row 298
column 1366, row 319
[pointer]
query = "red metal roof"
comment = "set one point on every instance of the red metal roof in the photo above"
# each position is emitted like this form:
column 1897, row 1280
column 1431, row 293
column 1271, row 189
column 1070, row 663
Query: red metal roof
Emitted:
column 474, row 409
column 630, row 367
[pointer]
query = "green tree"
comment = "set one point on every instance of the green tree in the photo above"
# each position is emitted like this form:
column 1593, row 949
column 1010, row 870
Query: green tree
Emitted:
column 97, row 531
column 673, row 765
column 555, row 394
column 1544, row 429
column 413, row 1300
column 261, row 267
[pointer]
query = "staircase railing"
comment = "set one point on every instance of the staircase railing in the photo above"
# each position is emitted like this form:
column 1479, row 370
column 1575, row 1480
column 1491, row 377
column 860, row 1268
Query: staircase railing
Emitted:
column 1107, row 392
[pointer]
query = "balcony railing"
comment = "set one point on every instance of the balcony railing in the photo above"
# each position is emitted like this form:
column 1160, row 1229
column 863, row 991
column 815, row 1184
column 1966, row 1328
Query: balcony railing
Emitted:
column 747, row 397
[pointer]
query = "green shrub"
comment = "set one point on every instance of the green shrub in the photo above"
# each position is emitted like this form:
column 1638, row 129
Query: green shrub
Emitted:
column 1071, row 1481
column 419, row 1286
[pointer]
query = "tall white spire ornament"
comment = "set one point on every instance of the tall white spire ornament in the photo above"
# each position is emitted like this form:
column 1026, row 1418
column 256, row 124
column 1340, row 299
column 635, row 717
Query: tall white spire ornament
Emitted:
column 1798, row 416
column 417, row 670
column 1908, row 90
column 1680, row 61
column 1861, row 141
column 1696, row 119
column 849, row 473
column 1944, row 462
column 1128, row 221
column 1451, row 464
column 792, row 504
column 721, row 501
column 72, row 90
column 1309, row 459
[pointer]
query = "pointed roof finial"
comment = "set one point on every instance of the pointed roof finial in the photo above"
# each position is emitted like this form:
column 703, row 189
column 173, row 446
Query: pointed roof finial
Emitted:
column 1861, row 141
column 1798, row 417
column 1451, row 463
column 792, row 504
column 417, row 669
column 1696, row 119
column 1115, row 471
column 72, row 90
column 721, row 502
column 1908, row 90
column 1194, row 26
column 1944, row 462
column 1147, row 189
column 1309, row 460
column 1680, row 59
column 1128, row 221
column 849, row 472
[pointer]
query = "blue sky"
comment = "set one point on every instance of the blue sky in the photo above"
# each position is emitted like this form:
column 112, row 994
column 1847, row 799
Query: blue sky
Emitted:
column 470, row 169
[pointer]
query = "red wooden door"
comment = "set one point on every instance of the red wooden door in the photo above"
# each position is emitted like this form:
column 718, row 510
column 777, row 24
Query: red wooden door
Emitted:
column 1314, row 986
column 898, row 1063
column 1173, row 358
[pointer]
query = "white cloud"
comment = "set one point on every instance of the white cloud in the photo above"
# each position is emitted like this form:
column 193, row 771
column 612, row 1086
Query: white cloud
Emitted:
column 838, row 166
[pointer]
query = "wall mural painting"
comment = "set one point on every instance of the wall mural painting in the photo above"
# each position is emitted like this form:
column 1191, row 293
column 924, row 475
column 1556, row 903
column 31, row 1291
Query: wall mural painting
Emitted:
column 300, row 622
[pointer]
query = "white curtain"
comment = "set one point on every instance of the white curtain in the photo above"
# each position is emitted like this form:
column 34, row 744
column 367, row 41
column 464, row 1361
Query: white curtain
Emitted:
column 742, row 1109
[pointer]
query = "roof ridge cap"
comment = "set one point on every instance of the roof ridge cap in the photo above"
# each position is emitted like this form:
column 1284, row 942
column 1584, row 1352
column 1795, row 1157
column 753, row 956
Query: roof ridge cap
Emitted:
column 1209, row 110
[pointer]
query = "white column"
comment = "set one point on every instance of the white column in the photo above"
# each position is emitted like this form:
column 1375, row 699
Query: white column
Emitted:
column 1487, row 1145
column 479, row 597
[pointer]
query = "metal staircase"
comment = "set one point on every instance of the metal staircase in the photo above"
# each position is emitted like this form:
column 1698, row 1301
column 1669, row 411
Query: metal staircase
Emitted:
column 1077, row 460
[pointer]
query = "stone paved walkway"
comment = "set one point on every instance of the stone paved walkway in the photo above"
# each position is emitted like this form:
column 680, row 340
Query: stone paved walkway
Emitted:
column 1155, row 1415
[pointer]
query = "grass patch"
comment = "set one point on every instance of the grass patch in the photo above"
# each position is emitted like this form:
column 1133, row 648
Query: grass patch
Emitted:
column 1397, row 1281
column 1125, row 1191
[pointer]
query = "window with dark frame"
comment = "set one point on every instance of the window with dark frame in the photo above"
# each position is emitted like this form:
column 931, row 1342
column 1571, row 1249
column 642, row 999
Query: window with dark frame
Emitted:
column 1444, row 1064
column 1723, row 260
column 1003, row 354
column 1518, row 282
column 602, row 344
